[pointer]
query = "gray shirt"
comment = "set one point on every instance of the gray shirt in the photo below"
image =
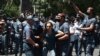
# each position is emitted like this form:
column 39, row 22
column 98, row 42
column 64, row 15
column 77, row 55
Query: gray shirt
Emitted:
column 87, row 22
column 62, row 27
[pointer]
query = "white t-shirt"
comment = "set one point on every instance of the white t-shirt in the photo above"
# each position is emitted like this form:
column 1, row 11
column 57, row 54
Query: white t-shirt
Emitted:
column 77, row 25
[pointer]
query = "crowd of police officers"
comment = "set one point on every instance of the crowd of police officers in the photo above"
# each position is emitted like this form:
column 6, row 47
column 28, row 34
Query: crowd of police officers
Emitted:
column 54, row 36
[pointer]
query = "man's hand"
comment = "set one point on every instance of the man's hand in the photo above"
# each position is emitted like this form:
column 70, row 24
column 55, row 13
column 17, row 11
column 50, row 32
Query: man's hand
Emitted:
column 60, row 33
column 36, row 45
column 59, row 38
column 37, row 37
column 64, row 37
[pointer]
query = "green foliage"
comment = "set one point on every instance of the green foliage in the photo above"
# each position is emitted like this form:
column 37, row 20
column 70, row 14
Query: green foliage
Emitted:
column 16, row 2
column 51, row 6
column 12, row 11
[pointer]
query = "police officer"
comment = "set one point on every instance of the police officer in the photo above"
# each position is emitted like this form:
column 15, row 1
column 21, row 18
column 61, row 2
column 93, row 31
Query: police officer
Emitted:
column 10, row 34
column 38, row 33
column 62, row 28
column 21, row 19
column 16, row 25
column 29, row 43
column 3, row 47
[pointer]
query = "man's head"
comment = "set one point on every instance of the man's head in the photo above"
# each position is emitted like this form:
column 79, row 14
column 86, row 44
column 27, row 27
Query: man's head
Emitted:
column 29, row 19
column 36, row 19
column 60, row 17
column 90, row 10
column 14, row 19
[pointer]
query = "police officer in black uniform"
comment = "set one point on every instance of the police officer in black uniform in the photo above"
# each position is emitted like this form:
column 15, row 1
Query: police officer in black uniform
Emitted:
column 38, row 33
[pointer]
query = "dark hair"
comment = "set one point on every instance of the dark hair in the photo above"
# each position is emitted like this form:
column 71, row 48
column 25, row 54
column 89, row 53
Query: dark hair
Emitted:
column 47, row 23
column 45, row 30
column 93, row 11
column 21, row 19
column 62, row 15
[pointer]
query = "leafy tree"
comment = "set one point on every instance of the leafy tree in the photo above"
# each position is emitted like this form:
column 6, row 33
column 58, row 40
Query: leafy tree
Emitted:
column 14, row 7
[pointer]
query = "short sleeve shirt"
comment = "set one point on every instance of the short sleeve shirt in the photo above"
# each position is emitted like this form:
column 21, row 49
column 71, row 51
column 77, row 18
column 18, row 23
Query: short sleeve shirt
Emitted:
column 87, row 22
column 62, row 27
column 26, row 32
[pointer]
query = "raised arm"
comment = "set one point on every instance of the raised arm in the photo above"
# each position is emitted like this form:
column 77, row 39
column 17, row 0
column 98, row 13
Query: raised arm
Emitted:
column 76, row 8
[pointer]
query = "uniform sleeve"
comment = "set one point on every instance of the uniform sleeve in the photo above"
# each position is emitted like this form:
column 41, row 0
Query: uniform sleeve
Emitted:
column 85, row 20
column 93, row 21
column 56, row 27
column 66, row 28
column 27, row 33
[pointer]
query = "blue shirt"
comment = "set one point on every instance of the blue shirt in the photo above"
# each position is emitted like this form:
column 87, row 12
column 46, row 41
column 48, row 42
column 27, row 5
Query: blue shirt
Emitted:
column 62, row 27
column 87, row 22
column 26, row 31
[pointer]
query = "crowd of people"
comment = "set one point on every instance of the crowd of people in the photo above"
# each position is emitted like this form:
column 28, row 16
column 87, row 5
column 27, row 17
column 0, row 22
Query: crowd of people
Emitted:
column 55, row 36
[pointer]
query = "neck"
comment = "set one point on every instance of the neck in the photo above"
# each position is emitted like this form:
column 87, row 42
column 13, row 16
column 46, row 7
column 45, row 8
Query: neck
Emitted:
column 49, row 31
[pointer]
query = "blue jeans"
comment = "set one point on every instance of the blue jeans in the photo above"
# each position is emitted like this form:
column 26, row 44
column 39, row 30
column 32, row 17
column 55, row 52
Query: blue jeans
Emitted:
column 47, row 52
column 77, row 44
column 83, row 44
column 28, row 50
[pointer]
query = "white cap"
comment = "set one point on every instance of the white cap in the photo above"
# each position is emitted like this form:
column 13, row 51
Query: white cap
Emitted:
column 36, row 19
column 29, row 17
